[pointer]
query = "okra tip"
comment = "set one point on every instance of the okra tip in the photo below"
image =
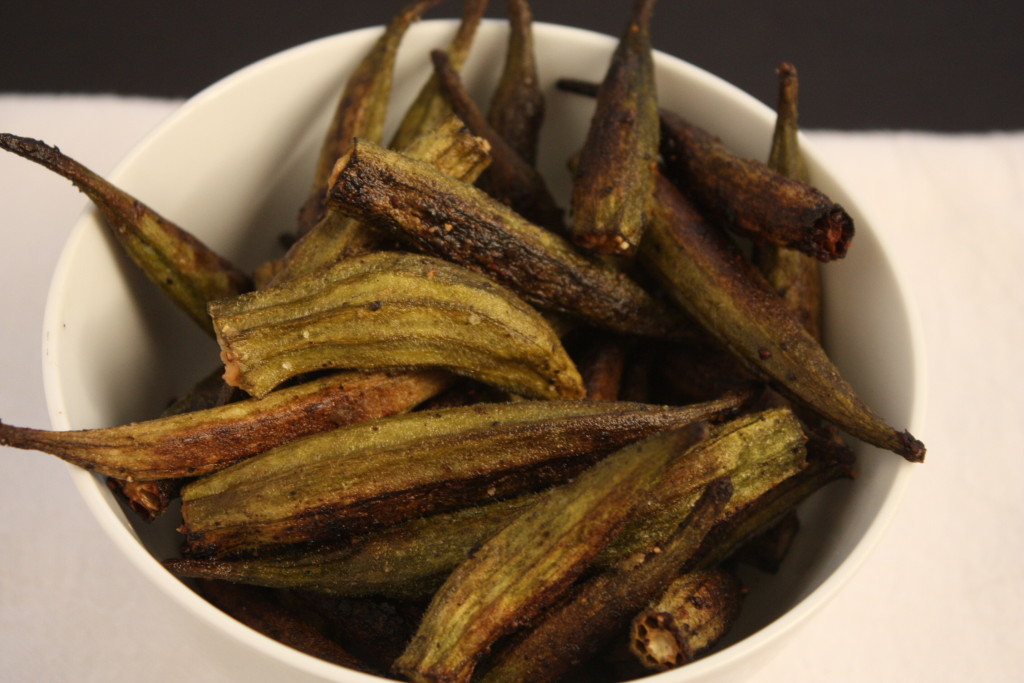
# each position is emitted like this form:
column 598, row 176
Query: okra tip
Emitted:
column 832, row 234
column 912, row 449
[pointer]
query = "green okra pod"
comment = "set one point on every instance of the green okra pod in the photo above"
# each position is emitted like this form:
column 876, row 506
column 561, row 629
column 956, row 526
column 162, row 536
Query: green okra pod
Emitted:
column 510, row 179
column 454, row 220
column 177, row 262
column 687, row 619
column 614, row 176
column 411, row 559
column 827, row 461
column 450, row 147
column 195, row 443
column 430, row 106
column 391, row 310
column 406, row 561
column 516, row 110
column 361, row 109
column 391, row 470
column 710, row 278
column 531, row 562
column 794, row 275
column 580, row 626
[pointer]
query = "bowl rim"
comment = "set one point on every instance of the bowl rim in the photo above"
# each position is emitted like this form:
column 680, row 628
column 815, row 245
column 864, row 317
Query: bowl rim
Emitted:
column 100, row 502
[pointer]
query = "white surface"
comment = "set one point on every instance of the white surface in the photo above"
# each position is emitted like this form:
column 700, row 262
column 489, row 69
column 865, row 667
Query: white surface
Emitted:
column 937, row 601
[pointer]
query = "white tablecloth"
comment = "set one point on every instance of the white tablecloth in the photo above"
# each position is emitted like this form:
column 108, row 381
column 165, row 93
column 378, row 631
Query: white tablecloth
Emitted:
column 941, row 599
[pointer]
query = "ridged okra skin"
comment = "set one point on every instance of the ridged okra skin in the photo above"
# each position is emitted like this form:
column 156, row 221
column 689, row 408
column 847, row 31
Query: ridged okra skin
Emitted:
column 532, row 562
column 614, row 176
column 391, row 470
column 455, row 221
column 187, row 271
column 361, row 109
column 391, row 310
column 198, row 442
column 410, row 560
column 710, row 278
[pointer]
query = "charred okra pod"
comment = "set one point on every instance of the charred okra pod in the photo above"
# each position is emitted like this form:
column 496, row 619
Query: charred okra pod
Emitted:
column 793, row 274
column 530, row 563
column 510, row 179
column 262, row 611
column 180, row 265
column 615, row 173
column 450, row 147
column 516, row 110
column 579, row 627
column 361, row 109
column 750, row 198
column 394, row 469
column 430, row 106
column 391, row 310
column 191, row 444
column 689, row 617
column 410, row 560
column 711, row 279
column 461, row 223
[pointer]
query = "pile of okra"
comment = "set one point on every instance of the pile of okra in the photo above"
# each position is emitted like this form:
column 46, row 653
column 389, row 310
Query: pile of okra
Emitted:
column 458, row 431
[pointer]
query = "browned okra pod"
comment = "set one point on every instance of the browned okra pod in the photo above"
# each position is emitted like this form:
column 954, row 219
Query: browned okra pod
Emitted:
column 687, row 619
column 794, row 275
column 516, row 110
column 711, row 279
column 530, row 563
column 410, row 560
column 750, row 198
column 177, row 262
column 450, row 147
column 430, row 106
column 458, row 222
column 579, row 627
column 394, row 469
column 262, row 611
column 195, row 443
column 614, row 176
column 361, row 109
column 510, row 179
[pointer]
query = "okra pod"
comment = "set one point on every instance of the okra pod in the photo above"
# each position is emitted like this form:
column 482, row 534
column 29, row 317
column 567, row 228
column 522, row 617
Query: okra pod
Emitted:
column 516, row 110
column 794, row 275
column 579, row 627
column 748, row 197
column 361, row 109
column 458, row 222
column 711, row 279
column 614, row 177
column 687, row 619
column 382, row 472
column 530, row 563
column 430, row 106
column 178, row 263
column 410, row 560
column 262, row 611
column 510, row 179
column 195, row 443
column 450, row 147
column 391, row 310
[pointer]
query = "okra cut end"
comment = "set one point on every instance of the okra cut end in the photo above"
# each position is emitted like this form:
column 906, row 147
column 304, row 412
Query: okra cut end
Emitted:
column 832, row 234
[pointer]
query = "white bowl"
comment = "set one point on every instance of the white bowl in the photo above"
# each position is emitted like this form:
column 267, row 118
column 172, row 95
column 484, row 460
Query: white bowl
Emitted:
column 232, row 166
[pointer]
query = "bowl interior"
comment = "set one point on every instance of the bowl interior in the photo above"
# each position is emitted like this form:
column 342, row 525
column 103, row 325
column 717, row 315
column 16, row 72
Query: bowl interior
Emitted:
column 233, row 165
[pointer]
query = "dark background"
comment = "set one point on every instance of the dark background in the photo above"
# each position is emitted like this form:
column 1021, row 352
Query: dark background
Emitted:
column 944, row 65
